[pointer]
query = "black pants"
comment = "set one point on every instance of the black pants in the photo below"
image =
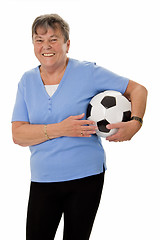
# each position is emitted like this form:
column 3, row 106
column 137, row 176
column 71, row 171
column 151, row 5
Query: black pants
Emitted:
column 77, row 199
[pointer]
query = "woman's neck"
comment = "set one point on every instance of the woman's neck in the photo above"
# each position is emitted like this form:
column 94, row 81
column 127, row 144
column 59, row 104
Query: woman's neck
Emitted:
column 53, row 75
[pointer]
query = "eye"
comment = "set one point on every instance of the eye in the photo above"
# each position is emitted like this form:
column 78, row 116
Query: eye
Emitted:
column 53, row 39
column 39, row 41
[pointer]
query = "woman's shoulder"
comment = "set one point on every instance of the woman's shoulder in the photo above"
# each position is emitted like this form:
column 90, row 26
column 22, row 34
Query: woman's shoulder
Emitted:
column 81, row 64
column 32, row 72
column 30, row 75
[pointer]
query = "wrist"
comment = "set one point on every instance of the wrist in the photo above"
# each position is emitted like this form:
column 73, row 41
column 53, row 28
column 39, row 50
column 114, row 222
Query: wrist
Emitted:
column 46, row 132
column 135, row 125
column 53, row 131
column 137, row 119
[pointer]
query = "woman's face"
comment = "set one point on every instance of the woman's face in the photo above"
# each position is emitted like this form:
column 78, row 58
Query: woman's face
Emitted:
column 49, row 47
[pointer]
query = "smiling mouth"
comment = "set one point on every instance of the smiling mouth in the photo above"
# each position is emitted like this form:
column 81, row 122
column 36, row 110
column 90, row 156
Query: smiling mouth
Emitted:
column 48, row 54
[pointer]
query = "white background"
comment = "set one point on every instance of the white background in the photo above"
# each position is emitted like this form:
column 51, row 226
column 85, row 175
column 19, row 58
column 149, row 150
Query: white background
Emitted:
column 123, row 36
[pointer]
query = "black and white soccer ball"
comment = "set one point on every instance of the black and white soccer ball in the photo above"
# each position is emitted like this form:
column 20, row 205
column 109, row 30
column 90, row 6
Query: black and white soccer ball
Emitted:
column 108, row 107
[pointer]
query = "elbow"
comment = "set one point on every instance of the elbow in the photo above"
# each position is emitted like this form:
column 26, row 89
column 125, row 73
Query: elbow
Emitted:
column 14, row 137
column 141, row 89
column 135, row 88
column 15, row 141
column 144, row 92
column 16, row 134
column 144, row 89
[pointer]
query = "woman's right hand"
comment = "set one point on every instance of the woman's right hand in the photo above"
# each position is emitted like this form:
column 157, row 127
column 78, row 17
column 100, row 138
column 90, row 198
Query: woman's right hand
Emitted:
column 73, row 126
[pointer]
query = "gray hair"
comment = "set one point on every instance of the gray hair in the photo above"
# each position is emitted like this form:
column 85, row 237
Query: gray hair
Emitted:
column 51, row 20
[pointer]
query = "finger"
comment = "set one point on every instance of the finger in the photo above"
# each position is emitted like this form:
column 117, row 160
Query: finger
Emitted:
column 86, row 122
column 115, row 140
column 89, row 128
column 114, row 125
column 83, row 122
column 114, row 137
column 76, row 117
column 87, row 133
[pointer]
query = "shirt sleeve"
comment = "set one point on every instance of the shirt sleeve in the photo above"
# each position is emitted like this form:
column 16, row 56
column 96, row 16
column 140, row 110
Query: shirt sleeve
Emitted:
column 107, row 80
column 20, row 112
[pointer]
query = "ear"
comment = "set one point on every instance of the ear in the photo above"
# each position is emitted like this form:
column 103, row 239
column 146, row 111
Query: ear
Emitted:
column 68, row 45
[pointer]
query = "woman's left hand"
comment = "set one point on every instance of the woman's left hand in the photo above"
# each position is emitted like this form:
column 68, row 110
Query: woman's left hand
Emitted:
column 126, row 130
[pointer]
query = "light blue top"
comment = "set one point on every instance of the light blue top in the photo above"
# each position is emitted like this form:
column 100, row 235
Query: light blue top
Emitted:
column 64, row 158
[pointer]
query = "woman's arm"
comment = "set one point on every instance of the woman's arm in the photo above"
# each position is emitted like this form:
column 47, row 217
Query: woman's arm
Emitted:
column 26, row 134
column 126, row 130
column 137, row 94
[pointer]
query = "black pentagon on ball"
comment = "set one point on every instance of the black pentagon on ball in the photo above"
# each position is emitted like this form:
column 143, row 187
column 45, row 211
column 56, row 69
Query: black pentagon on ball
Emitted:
column 102, row 126
column 88, row 114
column 108, row 101
column 126, row 116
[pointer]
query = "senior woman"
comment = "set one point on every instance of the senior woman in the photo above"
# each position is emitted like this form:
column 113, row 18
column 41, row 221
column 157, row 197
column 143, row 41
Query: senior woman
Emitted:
column 67, row 157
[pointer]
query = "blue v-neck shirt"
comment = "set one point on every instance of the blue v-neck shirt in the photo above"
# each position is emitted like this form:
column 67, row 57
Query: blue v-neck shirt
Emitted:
column 64, row 158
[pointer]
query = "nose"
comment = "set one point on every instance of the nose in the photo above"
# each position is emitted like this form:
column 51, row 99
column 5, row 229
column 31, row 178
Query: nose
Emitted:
column 46, row 45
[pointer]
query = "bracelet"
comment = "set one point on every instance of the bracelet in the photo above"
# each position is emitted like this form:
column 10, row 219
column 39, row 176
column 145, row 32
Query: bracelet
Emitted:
column 137, row 119
column 45, row 132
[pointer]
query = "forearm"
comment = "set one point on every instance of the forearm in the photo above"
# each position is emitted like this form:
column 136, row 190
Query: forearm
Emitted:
column 32, row 134
column 126, row 130
column 138, row 97
column 25, row 134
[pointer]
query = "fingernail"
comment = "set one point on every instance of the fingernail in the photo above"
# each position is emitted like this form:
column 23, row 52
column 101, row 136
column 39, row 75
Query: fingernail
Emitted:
column 107, row 126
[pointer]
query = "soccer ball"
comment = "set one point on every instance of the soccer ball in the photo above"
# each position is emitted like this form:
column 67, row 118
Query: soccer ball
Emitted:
column 108, row 107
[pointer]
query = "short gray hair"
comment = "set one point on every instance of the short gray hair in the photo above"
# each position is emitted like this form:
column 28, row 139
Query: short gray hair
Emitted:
column 51, row 20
